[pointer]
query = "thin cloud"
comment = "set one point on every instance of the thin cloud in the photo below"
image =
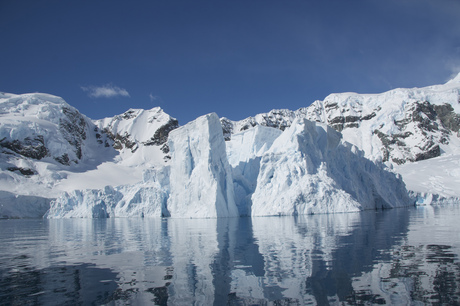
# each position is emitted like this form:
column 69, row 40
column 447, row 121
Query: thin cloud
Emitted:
column 156, row 99
column 105, row 91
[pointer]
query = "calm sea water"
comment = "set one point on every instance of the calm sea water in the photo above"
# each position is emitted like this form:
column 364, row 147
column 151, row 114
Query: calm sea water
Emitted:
column 399, row 256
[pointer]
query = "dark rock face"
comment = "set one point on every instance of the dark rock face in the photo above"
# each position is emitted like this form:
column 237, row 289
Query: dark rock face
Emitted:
column 28, row 147
column 449, row 119
column 227, row 128
column 433, row 151
column 345, row 118
column 63, row 159
column 121, row 141
column 161, row 135
column 23, row 171
column 277, row 118
column 73, row 128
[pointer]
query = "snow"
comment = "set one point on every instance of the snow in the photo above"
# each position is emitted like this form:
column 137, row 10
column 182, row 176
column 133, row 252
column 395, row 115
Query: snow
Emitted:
column 435, row 180
column 201, row 180
column 139, row 122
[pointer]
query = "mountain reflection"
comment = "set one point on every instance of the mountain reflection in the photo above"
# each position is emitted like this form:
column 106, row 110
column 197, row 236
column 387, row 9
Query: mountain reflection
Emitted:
column 395, row 256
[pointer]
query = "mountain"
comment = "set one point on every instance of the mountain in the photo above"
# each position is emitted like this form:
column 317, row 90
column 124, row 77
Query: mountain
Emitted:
column 139, row 130
column 398, row 126
column 416, row 131
column 47, row 147
column 51, row 154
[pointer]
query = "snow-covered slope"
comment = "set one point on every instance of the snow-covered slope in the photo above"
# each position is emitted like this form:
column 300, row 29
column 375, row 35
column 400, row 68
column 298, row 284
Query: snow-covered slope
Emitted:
column 41, row 137
column 140, row 135
column 48, row 146
column 432, row 181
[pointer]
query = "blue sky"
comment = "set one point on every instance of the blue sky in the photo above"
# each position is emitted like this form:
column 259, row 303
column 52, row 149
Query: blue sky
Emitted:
column 236, row 58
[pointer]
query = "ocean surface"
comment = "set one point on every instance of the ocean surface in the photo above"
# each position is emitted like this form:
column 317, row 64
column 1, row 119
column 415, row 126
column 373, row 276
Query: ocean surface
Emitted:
column 399, row 256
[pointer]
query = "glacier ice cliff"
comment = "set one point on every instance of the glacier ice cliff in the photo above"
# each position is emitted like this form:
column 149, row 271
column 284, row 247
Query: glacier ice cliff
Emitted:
column 244, row 152
column 309, row 169
column 201, row 180
column 305, row 169
column 145, row 199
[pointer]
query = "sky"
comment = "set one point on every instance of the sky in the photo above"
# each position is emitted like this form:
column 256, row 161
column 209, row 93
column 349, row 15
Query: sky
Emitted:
column 237, row 58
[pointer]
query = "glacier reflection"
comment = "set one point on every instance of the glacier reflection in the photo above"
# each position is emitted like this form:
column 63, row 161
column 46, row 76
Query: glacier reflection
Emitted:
column 394, row 256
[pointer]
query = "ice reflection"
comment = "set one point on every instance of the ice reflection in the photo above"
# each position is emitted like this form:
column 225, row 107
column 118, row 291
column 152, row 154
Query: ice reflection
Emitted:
column 396, row 256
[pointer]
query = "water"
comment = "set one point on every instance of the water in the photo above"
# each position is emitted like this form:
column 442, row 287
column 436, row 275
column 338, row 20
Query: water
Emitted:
column 399, row 256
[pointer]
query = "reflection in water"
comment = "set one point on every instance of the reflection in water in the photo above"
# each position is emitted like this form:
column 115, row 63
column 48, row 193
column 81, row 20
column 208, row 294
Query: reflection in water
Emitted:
column 395, row 257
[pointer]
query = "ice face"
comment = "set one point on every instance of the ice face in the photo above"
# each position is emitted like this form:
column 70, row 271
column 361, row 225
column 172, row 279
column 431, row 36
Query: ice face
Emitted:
column 200, row 180
column 144, row 199
column 308, row 169
column 244, row 151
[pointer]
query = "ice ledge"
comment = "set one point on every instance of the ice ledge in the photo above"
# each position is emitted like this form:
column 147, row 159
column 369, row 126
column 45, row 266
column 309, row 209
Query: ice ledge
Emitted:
column 426, row 198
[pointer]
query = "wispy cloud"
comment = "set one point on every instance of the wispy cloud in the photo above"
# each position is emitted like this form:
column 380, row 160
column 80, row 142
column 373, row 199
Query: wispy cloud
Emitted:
column 156, row 99
column 105, row 91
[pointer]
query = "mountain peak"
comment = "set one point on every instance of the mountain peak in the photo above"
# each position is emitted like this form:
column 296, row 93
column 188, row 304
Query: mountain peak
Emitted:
column 455, row 79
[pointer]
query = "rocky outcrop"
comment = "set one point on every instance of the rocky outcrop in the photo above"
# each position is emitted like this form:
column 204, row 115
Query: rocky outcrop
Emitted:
column 73, row 128
column 161, row 134
column 277, row 118
column 28, row 147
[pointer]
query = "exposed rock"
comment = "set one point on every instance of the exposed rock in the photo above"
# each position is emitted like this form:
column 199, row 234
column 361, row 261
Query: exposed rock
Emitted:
column 23, row 171
column 63, row 159
column 73, row 129
column 29, row 147
column 121, row 141
column 161, row 135
column 449, row 119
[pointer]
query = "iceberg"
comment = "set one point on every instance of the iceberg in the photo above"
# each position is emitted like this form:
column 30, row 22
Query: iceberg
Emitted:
column 201, row 184
column 309, row 170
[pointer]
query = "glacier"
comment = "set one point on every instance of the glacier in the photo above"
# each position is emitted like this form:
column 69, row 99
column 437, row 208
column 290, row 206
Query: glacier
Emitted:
column 201, row 184
column 145, row 199
column 305, row 169
column 309, row 170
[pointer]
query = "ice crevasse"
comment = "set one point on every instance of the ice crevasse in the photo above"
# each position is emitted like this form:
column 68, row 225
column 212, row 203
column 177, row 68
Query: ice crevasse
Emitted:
column 262, row 171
